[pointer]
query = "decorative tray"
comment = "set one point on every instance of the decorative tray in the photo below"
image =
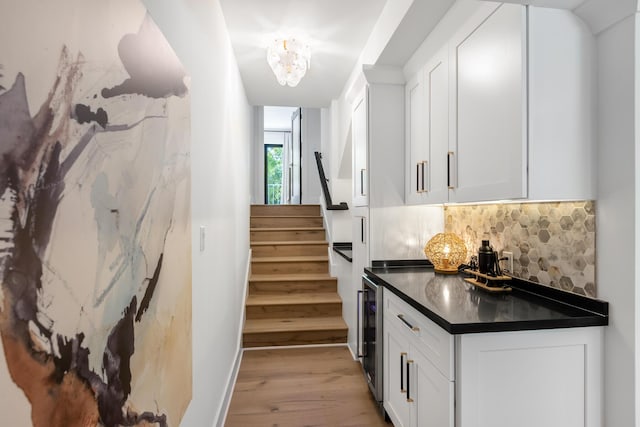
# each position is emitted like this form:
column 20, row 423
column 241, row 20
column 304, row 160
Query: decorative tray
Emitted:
column 499, row 287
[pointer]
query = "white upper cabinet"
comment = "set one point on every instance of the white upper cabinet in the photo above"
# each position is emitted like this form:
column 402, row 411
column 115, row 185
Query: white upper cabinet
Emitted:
column 416, row 149
column 561, row 90
column 488, row 138
column 427, row 131
column 517, row 104
column 377, row 131
column 360, row 147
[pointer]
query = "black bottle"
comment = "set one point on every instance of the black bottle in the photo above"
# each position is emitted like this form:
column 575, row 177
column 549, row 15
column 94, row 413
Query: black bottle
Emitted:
column 485, row 257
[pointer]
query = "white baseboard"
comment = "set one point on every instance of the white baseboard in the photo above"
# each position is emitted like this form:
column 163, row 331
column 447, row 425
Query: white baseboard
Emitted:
column 355, row 356
column 245, row 291
column 224, row 410
column 233, row 375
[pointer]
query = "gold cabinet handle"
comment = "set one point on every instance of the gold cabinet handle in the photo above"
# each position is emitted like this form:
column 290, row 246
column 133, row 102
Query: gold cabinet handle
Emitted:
column 425, row 182
column 402, row 356
column 409, row 363
column 362, row 193
column 450, row 171
column 409, row 325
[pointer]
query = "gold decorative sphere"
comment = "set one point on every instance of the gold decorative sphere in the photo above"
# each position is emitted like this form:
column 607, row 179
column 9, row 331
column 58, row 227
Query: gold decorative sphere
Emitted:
column 446, row 251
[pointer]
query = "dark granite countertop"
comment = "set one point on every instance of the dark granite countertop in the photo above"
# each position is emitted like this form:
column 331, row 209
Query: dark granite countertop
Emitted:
column 459, row 307
column 344, row 249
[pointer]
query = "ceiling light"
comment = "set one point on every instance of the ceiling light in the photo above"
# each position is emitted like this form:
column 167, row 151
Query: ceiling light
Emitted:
column 289, row 59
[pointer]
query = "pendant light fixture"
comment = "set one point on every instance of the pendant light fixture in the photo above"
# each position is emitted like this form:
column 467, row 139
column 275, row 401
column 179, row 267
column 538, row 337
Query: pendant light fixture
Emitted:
column 289, row 59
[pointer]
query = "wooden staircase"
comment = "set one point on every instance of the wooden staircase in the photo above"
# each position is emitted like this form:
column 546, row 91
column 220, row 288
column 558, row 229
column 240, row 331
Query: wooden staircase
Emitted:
column 292, row 299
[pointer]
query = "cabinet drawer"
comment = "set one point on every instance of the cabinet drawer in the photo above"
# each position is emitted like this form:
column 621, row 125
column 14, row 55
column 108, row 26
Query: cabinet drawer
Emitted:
column 432, row 341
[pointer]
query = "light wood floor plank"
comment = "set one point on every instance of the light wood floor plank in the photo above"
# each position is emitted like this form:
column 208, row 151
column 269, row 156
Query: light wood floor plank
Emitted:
column 317, row 386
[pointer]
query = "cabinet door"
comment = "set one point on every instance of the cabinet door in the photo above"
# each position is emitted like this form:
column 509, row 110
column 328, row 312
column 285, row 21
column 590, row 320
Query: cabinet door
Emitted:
column 396, row 347
column 432, row 392
column 360, row 141
column 427, row 130
column 360, row 253
column 436, row 108
column 488, row 156
column 547, row 377
column 417, row 150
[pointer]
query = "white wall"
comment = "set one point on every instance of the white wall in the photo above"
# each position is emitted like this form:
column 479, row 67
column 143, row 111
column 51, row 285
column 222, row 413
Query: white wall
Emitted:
column 402, row 232
column 257, row 157
column 220, row 148
column 637, row 218
column 616, row 217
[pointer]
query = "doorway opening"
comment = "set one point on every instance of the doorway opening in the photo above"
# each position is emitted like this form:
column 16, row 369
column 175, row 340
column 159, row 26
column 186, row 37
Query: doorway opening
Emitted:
column 282, row 155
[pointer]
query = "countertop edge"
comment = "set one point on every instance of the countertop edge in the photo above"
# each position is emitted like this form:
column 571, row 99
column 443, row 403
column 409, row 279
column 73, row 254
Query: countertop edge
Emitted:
column 338, row 248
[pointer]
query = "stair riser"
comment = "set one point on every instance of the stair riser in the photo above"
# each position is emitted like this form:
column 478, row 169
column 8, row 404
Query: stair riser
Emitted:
column 294, row 338
column 285, row 210
column 277, row 222
column 292, row 287
column 289, row 250
column 288, row 235
column 297, row 310
column 311, row 267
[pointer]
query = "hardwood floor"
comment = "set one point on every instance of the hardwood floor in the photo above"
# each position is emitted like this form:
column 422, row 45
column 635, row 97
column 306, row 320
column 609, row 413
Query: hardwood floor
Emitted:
column 314, row 386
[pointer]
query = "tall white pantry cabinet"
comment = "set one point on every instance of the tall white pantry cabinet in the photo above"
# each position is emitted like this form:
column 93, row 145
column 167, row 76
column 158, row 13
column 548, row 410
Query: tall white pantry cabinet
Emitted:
column 377, row 138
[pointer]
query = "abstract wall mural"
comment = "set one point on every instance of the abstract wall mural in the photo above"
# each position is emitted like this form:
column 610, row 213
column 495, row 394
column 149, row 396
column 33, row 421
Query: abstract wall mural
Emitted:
column 95, row 246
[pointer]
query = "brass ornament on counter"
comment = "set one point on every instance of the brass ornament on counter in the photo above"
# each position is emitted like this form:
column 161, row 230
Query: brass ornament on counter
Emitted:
column 487, row 282
column 446, row 251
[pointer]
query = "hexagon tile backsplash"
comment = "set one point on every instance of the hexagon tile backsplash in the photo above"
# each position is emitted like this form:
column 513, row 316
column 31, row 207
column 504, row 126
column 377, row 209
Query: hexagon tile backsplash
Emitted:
column 552, row 243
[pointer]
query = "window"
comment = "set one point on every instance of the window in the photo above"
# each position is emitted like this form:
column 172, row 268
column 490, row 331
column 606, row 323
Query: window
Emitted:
column 273, row 174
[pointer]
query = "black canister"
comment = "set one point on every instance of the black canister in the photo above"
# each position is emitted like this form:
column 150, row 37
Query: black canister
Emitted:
column 485, row 257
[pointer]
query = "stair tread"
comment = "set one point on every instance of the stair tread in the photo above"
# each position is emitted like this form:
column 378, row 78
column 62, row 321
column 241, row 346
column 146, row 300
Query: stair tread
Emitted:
column 253, row 326
column 292, row 258
column 293, row 299
column 286, row 216
column 290, row 242
column 286, row 210
column 289, row 277
column 287, row 229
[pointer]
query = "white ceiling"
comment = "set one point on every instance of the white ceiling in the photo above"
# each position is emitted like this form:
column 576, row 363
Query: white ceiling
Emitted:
column 337, row 31
column 278, row 118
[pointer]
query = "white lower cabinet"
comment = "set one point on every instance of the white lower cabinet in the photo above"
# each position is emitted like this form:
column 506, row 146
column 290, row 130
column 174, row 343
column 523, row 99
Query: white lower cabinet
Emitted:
column 396, row 347
column 434, row 394
column 416, row 392
column 547, row 377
